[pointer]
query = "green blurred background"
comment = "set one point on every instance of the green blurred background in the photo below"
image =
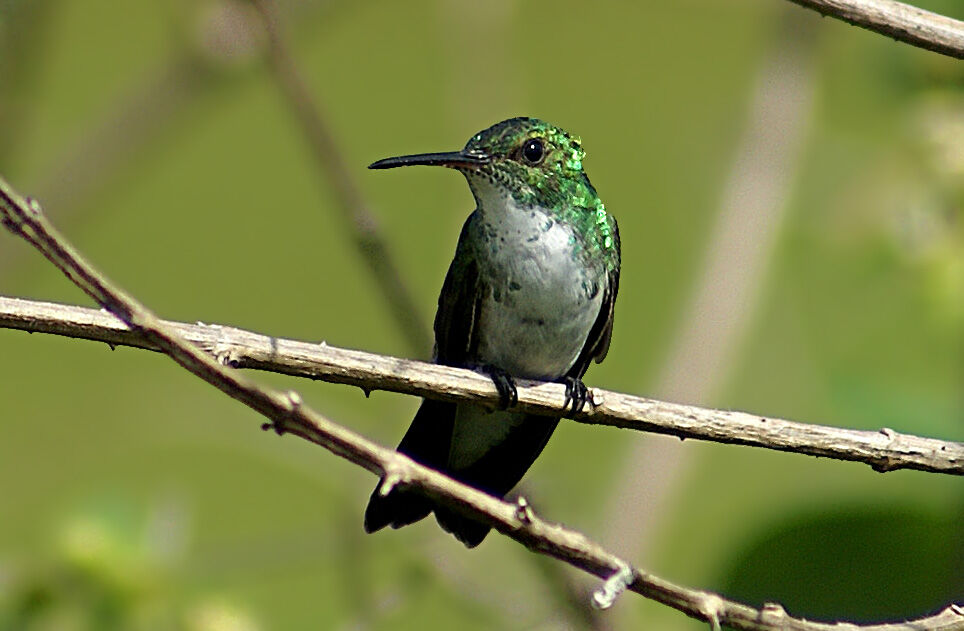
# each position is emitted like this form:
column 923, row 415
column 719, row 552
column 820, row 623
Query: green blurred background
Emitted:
column 134, row 496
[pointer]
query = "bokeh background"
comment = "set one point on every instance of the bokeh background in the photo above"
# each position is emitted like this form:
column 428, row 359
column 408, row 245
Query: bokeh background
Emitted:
column 789, row 191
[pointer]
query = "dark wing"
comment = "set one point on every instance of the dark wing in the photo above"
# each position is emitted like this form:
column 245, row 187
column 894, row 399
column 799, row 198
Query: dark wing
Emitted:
column 459, row 307
column 429, row 437
column 597, row 343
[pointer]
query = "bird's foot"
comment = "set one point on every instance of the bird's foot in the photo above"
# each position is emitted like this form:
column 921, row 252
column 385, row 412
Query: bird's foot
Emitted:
column 505, row 384
column 576, row 393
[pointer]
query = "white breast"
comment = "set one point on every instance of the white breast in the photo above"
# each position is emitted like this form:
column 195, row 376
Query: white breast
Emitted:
column 541, row 301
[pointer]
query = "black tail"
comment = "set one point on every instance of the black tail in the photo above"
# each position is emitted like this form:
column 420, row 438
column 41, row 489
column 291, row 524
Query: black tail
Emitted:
column 468, row 531
column 426, row 441
column 398, row 508
column 497, row 472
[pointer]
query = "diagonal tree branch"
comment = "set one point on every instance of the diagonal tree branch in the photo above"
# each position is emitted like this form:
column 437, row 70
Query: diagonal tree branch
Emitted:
column 884, row 450
column 903, row 22
column 25, row 218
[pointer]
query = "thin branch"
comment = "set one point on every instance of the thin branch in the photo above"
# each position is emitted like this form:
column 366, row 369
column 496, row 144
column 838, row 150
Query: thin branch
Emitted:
column 25, row 218
column 884, row 450
column 900, row 21
column 371, row 245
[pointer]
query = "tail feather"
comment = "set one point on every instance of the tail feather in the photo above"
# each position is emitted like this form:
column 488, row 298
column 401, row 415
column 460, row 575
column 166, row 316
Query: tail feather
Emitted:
column 496, row 473
column 398, row 508
column 468, row 531
column 426, row 441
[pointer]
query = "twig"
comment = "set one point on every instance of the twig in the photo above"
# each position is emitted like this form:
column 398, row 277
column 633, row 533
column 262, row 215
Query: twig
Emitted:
column 884, row 450
column 25, row 218
column 371, row 246
column 900, row 21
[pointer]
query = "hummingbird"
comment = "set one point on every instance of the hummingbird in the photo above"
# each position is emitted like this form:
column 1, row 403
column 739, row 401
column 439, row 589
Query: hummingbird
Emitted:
column 529, row 295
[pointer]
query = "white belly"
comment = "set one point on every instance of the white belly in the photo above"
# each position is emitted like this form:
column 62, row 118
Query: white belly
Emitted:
column 541, row 300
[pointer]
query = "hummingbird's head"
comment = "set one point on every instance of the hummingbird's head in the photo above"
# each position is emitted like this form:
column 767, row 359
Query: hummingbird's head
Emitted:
column 537, row 163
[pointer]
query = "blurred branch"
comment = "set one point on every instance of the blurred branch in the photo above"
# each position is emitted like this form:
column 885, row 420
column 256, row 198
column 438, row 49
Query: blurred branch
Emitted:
column 133, row 122
column 884, row 450
column 23, row 25
column 87, row 166
column 25, row 218
column 900, row 21
column 367, row 237
column 570, row 600
column 726, row 294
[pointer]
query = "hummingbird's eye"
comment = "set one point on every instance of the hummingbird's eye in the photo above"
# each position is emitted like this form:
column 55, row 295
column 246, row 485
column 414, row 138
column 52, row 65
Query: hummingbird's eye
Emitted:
column 533, row 151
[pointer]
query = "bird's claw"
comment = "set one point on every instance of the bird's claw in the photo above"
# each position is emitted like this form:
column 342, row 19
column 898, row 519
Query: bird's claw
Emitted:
column 576, row 393
column 505, row 384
